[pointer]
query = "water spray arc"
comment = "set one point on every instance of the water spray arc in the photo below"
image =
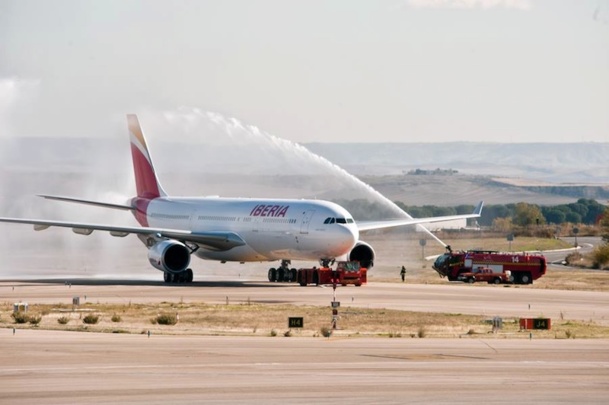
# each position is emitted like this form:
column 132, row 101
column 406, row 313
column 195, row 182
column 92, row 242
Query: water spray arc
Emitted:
column 297, row 156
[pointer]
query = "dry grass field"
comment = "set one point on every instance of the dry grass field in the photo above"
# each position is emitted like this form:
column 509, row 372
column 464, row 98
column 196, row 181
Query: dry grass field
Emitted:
column 257, row 319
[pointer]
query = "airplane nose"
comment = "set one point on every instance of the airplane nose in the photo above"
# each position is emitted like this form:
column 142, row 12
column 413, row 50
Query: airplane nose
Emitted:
column 349, row 235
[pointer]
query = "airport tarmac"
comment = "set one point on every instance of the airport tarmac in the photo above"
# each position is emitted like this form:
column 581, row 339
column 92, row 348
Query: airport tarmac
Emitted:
column 55, row 367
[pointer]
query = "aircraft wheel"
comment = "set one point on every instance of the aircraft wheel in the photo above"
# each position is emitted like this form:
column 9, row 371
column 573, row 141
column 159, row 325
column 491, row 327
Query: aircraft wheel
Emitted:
column 272, row 275
column 189, row 275
column 280, row 275
column 294, row 274
column 167, row 277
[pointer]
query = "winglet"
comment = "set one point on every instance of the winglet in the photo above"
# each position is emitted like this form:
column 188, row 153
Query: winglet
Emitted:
column 478, row 209
column 146, row 181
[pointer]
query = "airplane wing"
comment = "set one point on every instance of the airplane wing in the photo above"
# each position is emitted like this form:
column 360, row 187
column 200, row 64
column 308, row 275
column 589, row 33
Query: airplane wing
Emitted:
column 212, row 240
column 371, row 225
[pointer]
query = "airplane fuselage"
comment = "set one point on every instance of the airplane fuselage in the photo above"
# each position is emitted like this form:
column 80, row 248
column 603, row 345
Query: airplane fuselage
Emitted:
column 272, row 229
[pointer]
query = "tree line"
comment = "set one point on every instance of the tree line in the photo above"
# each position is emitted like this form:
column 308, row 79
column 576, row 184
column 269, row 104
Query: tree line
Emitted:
column 584, row 211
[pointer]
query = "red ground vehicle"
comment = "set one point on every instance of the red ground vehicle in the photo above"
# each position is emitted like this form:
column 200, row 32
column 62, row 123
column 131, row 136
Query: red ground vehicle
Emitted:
column 524, row 268
column 485, row 274
column 345, row 273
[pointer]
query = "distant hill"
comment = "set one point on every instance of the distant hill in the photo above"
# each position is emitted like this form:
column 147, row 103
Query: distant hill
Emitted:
column 546, row 174
column 551, row 162
column 459, row 189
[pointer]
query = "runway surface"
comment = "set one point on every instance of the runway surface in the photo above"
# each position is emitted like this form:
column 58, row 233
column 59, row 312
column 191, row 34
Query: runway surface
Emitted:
column 66, row 367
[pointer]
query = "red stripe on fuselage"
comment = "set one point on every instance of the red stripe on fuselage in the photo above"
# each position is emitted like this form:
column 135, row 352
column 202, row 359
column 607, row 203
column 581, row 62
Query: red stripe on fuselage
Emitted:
column 145, row 179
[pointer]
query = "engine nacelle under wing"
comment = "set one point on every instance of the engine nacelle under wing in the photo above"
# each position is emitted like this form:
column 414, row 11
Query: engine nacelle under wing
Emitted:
column 363, row 253
column 169, row 255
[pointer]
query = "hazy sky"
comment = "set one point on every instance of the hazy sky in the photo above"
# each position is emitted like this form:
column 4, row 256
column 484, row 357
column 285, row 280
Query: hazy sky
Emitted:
column 327, row 71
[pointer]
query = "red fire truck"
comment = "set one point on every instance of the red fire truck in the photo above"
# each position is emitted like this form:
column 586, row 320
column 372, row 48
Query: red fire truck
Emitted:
column 345, row 273
column 523, row 267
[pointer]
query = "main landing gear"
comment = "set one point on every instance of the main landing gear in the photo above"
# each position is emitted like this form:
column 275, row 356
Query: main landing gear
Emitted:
column 282, row 273
column 184, row 277
column 326, row 262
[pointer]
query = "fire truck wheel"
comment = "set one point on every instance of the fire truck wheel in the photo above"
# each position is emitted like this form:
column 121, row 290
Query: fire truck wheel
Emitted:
column 525, row 279
column 497, row 280
column 316, row 278
column 471, row 280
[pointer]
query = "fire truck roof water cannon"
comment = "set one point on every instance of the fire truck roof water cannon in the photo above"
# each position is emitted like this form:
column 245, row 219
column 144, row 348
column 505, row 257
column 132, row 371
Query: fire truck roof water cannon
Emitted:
column 522, row 268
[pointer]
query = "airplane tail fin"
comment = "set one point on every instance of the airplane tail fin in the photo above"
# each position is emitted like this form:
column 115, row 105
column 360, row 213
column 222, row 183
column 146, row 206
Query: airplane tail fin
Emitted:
column 146, row 181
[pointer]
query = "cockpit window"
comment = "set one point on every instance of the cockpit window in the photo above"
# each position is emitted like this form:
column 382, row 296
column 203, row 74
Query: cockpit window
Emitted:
column 329, row 220
column 341, row 220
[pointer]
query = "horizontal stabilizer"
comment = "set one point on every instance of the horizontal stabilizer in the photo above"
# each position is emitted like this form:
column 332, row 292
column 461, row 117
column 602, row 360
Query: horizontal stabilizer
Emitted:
column 87, row 202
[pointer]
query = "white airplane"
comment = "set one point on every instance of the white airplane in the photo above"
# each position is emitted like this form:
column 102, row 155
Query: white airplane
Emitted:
column 231, row 229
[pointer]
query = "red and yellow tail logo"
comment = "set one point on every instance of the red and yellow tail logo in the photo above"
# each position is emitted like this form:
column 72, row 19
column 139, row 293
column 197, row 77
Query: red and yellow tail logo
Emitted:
column 146, row 181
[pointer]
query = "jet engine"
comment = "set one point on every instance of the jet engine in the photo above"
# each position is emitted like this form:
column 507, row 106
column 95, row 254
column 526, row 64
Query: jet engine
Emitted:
column 363, row 253
column 169, row 256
